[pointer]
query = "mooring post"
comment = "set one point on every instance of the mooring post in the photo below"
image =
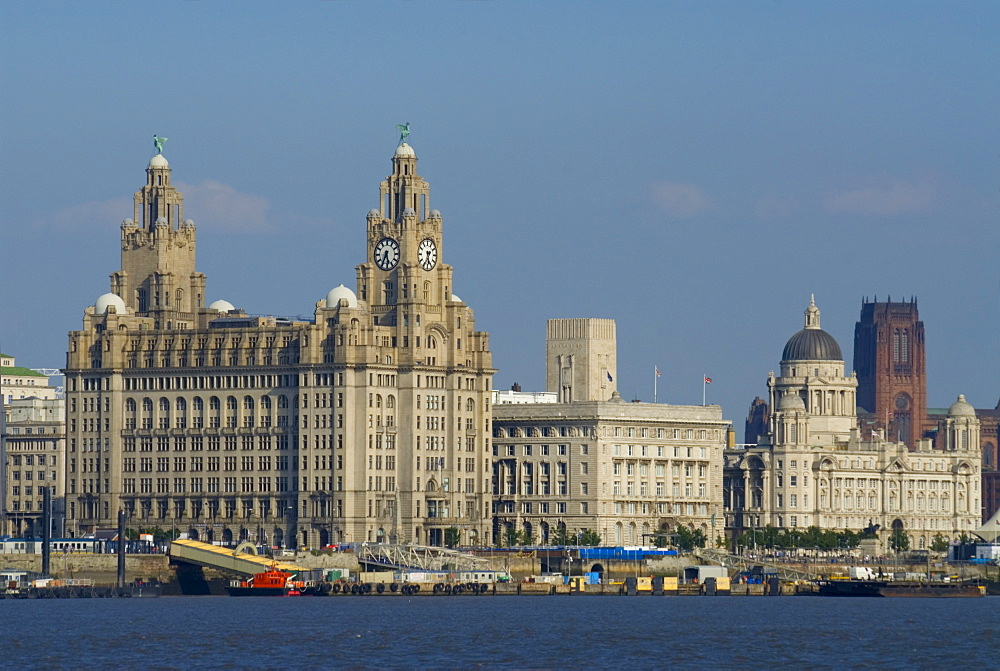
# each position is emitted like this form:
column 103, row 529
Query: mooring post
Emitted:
column 120, row 548
column 46, row 529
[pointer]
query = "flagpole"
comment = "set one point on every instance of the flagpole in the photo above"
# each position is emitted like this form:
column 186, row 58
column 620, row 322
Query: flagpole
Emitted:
column 654, row 384
column 704, row 383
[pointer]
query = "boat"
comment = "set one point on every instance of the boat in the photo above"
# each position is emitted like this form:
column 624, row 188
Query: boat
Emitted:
column 898, row 588
column 271, row 582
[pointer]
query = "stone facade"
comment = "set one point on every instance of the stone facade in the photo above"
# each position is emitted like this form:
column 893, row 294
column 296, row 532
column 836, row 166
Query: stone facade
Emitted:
column 581, row 359
column 17, row 382
column 369, row 422
column 624, row 470
column 814, row 468
column 34, row 451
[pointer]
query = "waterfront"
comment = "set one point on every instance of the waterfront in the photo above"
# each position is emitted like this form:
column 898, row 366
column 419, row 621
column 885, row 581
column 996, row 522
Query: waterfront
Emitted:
column 501, row 632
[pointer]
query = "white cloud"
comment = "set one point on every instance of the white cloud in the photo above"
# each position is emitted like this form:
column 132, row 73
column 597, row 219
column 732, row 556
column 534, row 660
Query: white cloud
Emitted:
column 210, row 203
column 222, row 207
column 886, row 197
column 89, row 215
column 682, row 200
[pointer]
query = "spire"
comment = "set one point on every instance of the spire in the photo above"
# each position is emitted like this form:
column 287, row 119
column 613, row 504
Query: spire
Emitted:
column 812, row 313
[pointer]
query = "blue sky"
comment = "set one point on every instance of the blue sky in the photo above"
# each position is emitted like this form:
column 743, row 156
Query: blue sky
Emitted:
column 693, row 170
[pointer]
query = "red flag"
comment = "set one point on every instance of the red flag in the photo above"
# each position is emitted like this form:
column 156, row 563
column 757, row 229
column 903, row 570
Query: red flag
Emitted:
column 657, row 371
column 708, row 380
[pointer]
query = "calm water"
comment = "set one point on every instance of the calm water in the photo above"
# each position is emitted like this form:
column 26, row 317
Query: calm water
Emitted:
column 500, row 632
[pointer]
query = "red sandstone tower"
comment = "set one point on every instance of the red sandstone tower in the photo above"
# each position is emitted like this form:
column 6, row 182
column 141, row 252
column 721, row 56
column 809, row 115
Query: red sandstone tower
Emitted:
column 892, row 378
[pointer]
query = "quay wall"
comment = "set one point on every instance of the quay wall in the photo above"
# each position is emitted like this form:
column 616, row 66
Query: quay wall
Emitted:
column 102, row 569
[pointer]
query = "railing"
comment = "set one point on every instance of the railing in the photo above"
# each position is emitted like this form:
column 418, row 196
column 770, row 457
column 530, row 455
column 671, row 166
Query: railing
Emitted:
column 740, row 563
column 420, row 557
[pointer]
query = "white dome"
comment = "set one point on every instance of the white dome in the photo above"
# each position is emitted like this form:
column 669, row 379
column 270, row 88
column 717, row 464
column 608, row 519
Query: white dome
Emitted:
column 339, row 293
column 374, row 214
column 405, row 150
column 791, row 401
column 158, row 162
column 435, row 214
column 961, row 408
column 222, row 306
column 456, row 298
column 106, row 301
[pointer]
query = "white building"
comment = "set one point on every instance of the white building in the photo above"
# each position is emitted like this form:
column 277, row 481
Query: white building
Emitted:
column 813, row 468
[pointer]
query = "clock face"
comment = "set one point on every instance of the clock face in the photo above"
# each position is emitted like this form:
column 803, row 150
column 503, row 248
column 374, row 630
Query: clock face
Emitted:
column 386, row 253
column 427, row 254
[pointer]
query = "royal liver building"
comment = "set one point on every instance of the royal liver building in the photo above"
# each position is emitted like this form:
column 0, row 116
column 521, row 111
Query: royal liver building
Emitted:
column 369, row 422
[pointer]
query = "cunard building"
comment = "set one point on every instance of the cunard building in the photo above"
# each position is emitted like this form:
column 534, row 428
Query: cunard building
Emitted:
column 369, row 422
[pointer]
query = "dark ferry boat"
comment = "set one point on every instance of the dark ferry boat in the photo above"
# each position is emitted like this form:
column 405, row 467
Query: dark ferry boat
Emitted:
column 898, row 588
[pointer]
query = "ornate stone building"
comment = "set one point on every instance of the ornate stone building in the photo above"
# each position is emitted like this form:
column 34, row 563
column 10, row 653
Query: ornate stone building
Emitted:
column 814, row 468
column 592, row 461
column 369, row 422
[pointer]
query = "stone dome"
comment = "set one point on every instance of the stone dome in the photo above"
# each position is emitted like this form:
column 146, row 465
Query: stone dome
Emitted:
column 456, row 298
column 961, row 408
column 221, row 306
column 374, row 214
column 812, row 343
column 409, row 212
column 435, row 214
column 105, row 301
column 338, row 294
column 405, row 150
column 791, row 401
column 158, row 162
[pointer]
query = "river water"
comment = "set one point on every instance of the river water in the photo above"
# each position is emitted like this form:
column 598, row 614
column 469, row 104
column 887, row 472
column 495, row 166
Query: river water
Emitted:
column 500, row 632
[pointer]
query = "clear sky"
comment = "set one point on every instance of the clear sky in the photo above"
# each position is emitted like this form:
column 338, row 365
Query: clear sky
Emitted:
column 693, row 170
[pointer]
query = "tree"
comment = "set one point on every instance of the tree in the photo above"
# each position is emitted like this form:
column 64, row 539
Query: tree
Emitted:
column 689, row 538
column 588, row 537
column 452, row 536
column 939, row 543
column 899, row 541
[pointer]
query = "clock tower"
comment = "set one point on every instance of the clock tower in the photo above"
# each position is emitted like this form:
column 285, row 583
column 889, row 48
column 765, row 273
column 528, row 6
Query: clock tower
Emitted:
column 420, row 349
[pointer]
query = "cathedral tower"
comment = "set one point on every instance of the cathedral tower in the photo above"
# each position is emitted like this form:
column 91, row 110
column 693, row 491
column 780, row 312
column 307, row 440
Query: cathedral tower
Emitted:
column 889, row 361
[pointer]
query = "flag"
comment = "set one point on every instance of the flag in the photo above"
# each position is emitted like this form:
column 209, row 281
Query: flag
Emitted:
column 708, row 380
column 657, row 371
column 610, row 379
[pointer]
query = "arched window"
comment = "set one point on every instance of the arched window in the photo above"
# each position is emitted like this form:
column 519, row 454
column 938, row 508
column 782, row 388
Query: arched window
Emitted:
column 214, row 403
column 130, row 405
column 282, row 402
column 265, row 403
column 164, row 405
column 378, row 400
column 231, row 403
column 248, row 403
column 197, row 404
column 181, row 405
column 470, row 405
column 390, row 401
